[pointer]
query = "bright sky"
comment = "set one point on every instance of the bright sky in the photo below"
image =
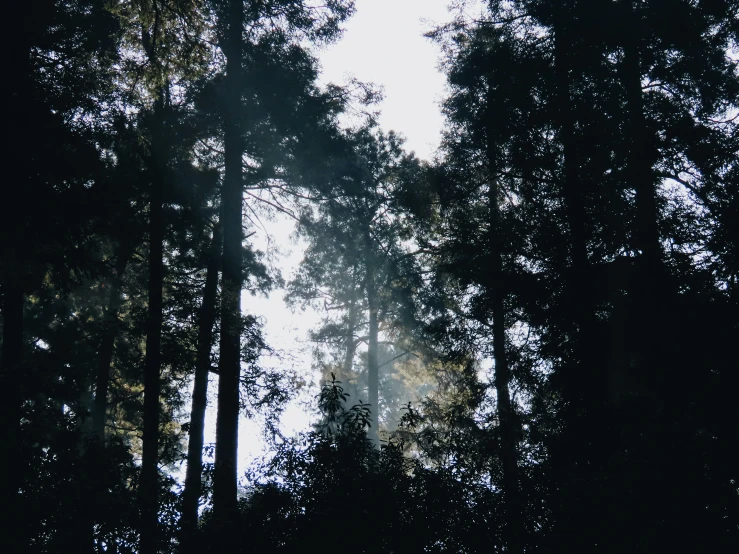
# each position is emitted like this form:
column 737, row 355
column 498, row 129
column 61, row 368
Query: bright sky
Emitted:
column 383, row 44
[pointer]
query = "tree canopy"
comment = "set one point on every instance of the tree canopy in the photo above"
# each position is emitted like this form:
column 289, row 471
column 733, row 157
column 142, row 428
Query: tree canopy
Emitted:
column 525, row 344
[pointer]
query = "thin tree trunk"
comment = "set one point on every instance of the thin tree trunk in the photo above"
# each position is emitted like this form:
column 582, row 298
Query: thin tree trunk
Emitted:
column 506, row 413
column 640, row 159
column 640, row 151
column 149, row 487
column 373, row 377
column 107, row 345
column 351, row 345
column 192, row 492
column 225, row 480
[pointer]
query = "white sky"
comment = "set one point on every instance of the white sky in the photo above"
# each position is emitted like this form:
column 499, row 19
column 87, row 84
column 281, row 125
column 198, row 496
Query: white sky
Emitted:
column 383, row 44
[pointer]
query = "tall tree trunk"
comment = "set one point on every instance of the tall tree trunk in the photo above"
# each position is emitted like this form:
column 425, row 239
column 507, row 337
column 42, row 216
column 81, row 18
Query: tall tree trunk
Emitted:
column 107, row 344
column 351, row 345
column 373, row 377
column 149, row 487
column 506, row 413
column 191, row 494
column 229, row 369
column 641, row 155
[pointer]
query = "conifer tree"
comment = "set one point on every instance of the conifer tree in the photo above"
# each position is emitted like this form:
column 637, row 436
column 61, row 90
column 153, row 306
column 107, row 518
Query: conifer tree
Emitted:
column 249, row 35
column 356, row 263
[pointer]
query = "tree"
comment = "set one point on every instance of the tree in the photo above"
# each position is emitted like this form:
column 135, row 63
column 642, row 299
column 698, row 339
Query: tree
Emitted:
column 248, row 35
column 576, row 106
column 52, row 74
column 539, row 324
column 192, row 492
column 357, row 262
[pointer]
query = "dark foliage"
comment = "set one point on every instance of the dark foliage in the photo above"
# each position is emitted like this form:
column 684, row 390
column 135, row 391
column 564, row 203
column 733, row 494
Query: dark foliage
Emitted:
column 527, row 344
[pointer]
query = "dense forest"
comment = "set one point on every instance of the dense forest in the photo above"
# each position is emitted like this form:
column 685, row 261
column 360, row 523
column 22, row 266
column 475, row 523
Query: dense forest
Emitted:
column 526, row 343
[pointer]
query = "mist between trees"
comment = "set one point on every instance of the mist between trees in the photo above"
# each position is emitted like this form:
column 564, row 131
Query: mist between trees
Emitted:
column 527, row 344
